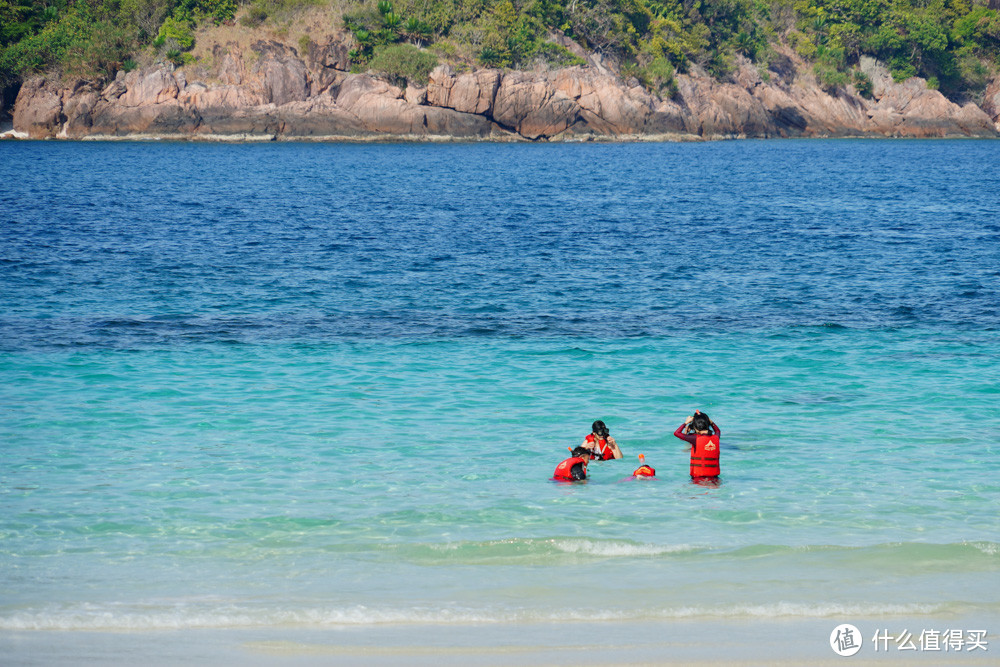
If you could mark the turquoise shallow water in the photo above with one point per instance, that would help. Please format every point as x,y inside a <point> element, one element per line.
<point>347,484</point>
<point>204,425</point>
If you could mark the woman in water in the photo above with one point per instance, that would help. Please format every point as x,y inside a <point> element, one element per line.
<point>703,435</point>
<point>601,443</point>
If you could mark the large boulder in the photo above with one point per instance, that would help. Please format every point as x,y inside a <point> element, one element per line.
<point>606,107</point>
<point>79,104</point>
<point>724,109</point>
<point>320,118</point>
<point>239,123</point>
<point>231,68</point>
<point>147,87</point>
<point>469,92</point>
<point>531,106</point>
<point>327,63</point>
<point>382,109</point>
<point>910,109</point>
<point>279,75</point>
<point>38,109</point>
<point>168,119</point>
<point>991,101</point>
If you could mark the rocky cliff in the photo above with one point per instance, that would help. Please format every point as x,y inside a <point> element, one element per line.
<point>273,92</point>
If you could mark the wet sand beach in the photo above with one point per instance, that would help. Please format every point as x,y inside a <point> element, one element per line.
<point>781,642</point>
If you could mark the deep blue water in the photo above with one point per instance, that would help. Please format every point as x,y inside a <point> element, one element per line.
<point>148,244</point>
<point>328,384</point>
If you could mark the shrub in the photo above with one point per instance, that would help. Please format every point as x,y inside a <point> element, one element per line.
<point>863,84</point>
<point>901,69</point>
<point>262,10</point>
<point>381,26</point>
<point>255,16</point>
<point>630,70</point>
<point>76,43</point>
<point>509,38</point>
<point>416,30</point>
<point>393,22</point>
<point>177,31</point>
<point>362,53</point>
<point>403,64</point>
<point>805,48</point>
<point>491,57</point>
<point>830,78</point>
<point>557,56</point>
<point>659,76</point>
<point>221,11</point>
<point>973,71</point>
<point>718,62</point>
<point>445,48</point>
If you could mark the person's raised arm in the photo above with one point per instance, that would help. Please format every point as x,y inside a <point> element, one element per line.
<point>615,449</point>
<point>689,438</point>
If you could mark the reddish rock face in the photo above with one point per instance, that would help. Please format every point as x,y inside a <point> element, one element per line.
<point>38,109</point>
<point>469,92</point>
<point>279,75</point>
<point>991,101</point>
<point>274,92</point>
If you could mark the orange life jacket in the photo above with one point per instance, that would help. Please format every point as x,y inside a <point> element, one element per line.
<point>644,471</point>
<point>705,456</point>
<point>604,451</point>
<point>565,469</point>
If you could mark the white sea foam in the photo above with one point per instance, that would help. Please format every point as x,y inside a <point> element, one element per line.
<point>88,617</point>
<point>988,548</point>
<point>584,546</point>
<point>618,548</point>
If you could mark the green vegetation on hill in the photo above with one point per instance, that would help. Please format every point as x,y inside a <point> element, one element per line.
<point>97,37</point>
<point>955,44</point>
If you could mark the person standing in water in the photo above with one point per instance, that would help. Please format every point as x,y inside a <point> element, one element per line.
<point>703,435</point>
<point>601,443</point>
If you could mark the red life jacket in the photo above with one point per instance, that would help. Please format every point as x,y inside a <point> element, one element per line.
<point>565,469</point>
<point>705,455</point>
<point>604,452</point>
<point>644,471</point>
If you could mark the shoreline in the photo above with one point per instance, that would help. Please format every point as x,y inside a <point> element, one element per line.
<point>782,642</point>
<point>14,135</point>
<point>277,96</point>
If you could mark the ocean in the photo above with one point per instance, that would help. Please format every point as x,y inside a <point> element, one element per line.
<point>323,387</point>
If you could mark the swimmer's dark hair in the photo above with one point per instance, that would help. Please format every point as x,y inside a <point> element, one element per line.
<point>580,451</point>
<point>600,428</point>
<point>701,422</point>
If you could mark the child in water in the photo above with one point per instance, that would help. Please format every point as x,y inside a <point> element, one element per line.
<point>703,435</point>
<point>644,470</point>
<point>601,443</point>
